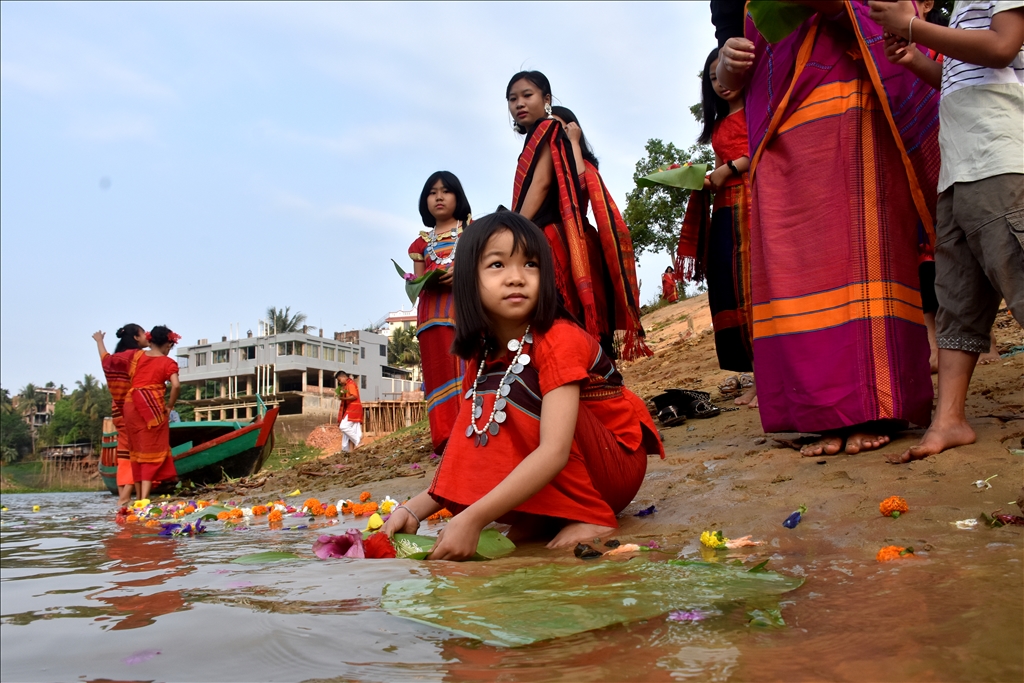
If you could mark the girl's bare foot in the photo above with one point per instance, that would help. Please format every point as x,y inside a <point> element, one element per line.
<point>857,442</point>
<point>939,437</point>
<point>579,532</point>
<point>748,397</point>
<point>826,445</point>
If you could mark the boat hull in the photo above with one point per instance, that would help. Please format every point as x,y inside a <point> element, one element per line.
<point>232,451</point>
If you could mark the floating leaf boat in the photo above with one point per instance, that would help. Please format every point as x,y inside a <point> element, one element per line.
<point>205,452</point>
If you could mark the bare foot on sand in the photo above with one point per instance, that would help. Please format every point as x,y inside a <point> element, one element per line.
<point>993,353</point>
<point>578,532</point>
<point>939,437</point>
<point>826,445</point>
<point>748,397</point>
<point>857,442</point>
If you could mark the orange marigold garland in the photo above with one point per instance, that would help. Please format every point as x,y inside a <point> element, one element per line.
<point>316,509</point>
<point>364,496</point>
<point>275,516</point>
<point>893,506</point>
<point>259,510</point>
<point>443,513</point>
<point>331,511</point>
<point>223,514</point>
<point>346,507</point>
<point>893,552</point>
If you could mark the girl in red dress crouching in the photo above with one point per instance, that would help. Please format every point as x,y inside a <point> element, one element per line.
<point>547,439</point>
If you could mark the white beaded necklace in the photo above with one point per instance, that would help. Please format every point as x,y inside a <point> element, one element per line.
<point>497,416</point>
<point>432,246</point>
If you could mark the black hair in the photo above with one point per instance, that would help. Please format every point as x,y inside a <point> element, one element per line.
<point>452,184</point>
<point>566,115</point>
<point>126,337</point>
<point>160,335</point>
<point>472,326</point>
<point>341,372</point>
<point>714,107</point>
<point>538,80</point>
<point>670,269</point>
<point>939,14</point>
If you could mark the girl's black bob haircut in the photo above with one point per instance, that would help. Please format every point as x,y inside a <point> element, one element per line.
<point>452,184</point>
<point>472,325</point>
<point>126,337</point>
<point>714,107</point>
<point>161,335</point>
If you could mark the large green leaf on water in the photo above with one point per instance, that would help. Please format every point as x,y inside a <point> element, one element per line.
<point>266,557</point>
<point>775,19</point>
<point>208,512</point>
<point>492,544</point>
<point>532,604</point>
<point>685,177</point>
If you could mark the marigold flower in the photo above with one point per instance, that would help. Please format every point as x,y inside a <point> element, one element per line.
<point>311,503</point>
<point>131,518</point>
<point>443,513</point>
<point>331,511</point>
<point>893,506</point>
<point>364,496</point>
<point>346,507</point>
<point>223,514</point>
<point>316,509</point>
<point>188,509</point>
<point>259,510</point>
<point>275,516</point>
<point>235,514</point>
<point>152,523</point>
<point>893,552</point>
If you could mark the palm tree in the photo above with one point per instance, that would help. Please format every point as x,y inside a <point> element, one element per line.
<point>6,405</point>
<point>86,398</point>
<point>28,397</point>
<point>403,348</point>
<point>282,321</point>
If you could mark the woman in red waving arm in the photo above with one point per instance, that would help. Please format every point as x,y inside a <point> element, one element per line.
<point>595,270</point>
<point>445,211</point>
<point>145,412</point>
<point>843,165</point>
<point>547,439</point>
<point>350,413</point>
<point>130,338</point>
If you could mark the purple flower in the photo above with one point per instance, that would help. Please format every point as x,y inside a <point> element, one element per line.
<point>409,276</point>
<point>169,529</point>
<point>645,512</point>
<point>794,519</point>
<point>653,545</point>
<point>348,545</point>
<point>691,615</point>
<point>140,656</point>
<point>434,456</point>
<point>415,466</point>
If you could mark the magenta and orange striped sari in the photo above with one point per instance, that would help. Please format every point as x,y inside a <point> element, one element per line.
<point>844,164</point>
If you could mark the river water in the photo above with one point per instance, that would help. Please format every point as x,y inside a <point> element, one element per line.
<point>86,600</point>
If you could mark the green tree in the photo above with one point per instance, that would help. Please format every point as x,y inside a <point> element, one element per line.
<point>654,214</point>
<point>281,320</point>
<point>15,436</point>
<point>6,404</point>
<point>188,393</point>
<point>403,348</point>
<point>78,416</point>
<point>29,399</point>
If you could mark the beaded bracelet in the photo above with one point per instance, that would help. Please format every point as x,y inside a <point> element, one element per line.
<point>409,510</point>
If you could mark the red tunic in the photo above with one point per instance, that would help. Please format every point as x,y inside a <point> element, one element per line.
<point>145,416</point>
<point>351,407</point>
<point>729,140</point>
<point>614,433</point>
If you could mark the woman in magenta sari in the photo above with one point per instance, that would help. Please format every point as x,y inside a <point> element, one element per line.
<point>844,163</point>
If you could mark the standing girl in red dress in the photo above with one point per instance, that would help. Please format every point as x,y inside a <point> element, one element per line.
<point>130,338</point>
<point>547,438</point>
<point>445,210</point>
<point>145,412</point>
<point>668,286</point>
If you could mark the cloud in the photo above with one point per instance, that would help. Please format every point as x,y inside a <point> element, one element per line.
<point>115,129</point>
<point>38,81</point>
<point>358,140</point>
<point>367,218</point>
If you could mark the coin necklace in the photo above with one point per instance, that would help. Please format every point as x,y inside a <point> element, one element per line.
<point>432,246</point>
<point>498,415</point>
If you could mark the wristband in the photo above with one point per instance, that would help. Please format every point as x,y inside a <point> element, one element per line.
<point>414,515</point>
<point>732,167</point>
<point>910,30</point>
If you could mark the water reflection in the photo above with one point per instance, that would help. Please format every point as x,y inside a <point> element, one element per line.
<point>141,552</point>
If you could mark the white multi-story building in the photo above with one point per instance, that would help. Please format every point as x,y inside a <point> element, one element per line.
<point>293,370</point>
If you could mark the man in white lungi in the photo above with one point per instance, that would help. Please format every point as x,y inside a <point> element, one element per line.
<point>350,414</point>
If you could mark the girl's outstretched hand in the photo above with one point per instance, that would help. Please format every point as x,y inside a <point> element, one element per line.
<point>98,336</point>
<point>400,522</point>
<point>457,541</point>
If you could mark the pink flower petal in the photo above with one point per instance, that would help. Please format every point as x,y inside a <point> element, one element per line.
<point>350,544</point>
<point>140,656</point>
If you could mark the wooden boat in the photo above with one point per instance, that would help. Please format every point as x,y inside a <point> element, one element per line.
<point>204,452</point>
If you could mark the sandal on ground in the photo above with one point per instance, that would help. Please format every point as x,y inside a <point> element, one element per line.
<point>668,408</point>
<point>746,381</point>
<point>732,386</point>
<point>695,404</point>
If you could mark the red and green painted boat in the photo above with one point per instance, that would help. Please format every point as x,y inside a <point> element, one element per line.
<point>205,452</point>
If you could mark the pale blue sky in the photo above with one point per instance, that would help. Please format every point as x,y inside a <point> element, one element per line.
<point>273,154</point>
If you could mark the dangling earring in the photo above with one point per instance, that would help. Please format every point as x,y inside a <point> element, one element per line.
<point>547,108</point>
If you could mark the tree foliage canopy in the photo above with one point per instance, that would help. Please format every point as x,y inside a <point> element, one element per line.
<point>403,348</point>
<point>281,320</point>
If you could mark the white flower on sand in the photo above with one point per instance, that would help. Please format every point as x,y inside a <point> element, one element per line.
<point>341,503</point>
<point>965,523</point>
<point>983,483</point>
